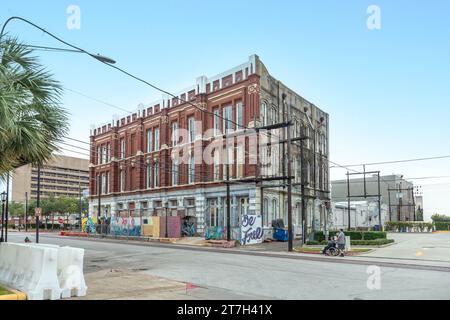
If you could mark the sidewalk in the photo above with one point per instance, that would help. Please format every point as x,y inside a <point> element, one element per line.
<point>131,285</point>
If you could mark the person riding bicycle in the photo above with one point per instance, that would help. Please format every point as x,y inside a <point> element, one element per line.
<point>331,244</point>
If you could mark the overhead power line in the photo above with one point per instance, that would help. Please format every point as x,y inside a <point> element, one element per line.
<point>394,161</point>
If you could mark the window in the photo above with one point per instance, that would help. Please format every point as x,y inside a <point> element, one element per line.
<point>274,115</point>
<point>104,183</point>
<point>104,154</point>
<point>108,182</point>
<point>156,139</point>
<point>274,209</point>
<point>174,133</point>
<point>216,165</point>
<point>156,174</point>
<point>240,161</point>
<point>239,116</point>
<point>149,140</point>
<point>191,169</point>
<point>99,158</point>
<point>191,128</point>
<point>227,119</point>
<point>122,148</point>
<point>174,172</point>
<point>228,162</point>
<point>149,176</point>
<point>122,180</point>
<point>108,153</point>
<point>264,114</point>
<point>266,211</point>
<point>243,206</point>
<point>213,213</point>
<point>216,122</point>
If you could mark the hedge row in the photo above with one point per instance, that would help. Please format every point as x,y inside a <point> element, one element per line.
<point>377,242</point>
<point>354,235</point>
<point>442,226</point>
<point>398,225</point>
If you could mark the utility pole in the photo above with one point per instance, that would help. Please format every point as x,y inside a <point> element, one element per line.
<point>289,175</point>
<point>26,211</point>
<point>389,199</point>
<point>38,203</point>
<point>414,203</point>
<point>379,202</point>
<point>348,201</point>
<point>303,181</point>
<point>80,203</point>
<point>228,202</point>
<point>399,208</point>
<point>99,195</point>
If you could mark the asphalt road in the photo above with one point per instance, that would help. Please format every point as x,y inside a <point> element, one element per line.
<point>248,276</point>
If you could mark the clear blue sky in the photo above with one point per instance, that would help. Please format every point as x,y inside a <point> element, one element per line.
<point>387,91</point>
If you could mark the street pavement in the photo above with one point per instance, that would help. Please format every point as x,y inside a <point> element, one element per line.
<point>249,276</point>
<point>416,246</point>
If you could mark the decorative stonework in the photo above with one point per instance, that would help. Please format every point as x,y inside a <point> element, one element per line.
<point>253,89</point>
<point>165,119</point>
<point>202,105</point>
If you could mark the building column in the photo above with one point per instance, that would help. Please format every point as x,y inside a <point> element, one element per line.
<point>200,211</point>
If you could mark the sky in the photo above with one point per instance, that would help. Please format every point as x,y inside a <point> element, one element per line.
<point>386,90</point>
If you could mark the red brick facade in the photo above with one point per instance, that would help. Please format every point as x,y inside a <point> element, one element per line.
<point>133,130</point>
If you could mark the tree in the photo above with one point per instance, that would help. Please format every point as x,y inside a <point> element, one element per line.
<point>16,209</point>
<point>32,121</point>
<point>440,218</point>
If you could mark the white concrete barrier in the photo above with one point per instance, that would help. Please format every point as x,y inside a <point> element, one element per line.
<point>43,272</point>
<point>70,272</point>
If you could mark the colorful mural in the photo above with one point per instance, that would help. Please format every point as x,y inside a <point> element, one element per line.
<point>125,226</point>
<point>216,233</point>
<point>88,225</point>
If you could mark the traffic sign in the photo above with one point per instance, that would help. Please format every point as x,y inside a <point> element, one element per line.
<point>60,220</point>
<point>37,212</point>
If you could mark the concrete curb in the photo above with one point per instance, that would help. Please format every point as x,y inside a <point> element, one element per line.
<point>15,295</point>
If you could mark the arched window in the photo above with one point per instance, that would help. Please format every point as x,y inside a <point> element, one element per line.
<point>264,113</point>
<point>273,115</point>
<point>266,212</point>
<point>274,209</point>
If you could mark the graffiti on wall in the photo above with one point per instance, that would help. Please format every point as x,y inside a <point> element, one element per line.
<point>216,233</point>
<point>125,226</point>
<point>251,230</point>
<point>88,225</point>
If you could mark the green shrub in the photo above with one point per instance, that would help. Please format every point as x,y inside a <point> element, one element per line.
<point>373,235</point>
<point>397,226</point>
<point>377,242</point>
<point>312,243</point>
<point>442,226</point>
<point>354,235</point>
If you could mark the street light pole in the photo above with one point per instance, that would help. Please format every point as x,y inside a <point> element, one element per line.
<point>289,177</point>
<point>167,209</point>
<point>80,203</point>
<point>26,211</point>
<point>38,203</point>
<point>6,207</point>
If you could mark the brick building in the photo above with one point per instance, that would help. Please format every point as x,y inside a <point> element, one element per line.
<point>133,162</point>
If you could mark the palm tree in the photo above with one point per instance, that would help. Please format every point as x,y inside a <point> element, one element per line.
<point>32,122</point>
